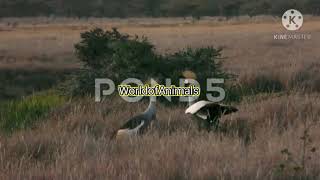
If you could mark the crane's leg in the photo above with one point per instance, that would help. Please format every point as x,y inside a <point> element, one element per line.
<point>213,122</point>
<point>209,121</point>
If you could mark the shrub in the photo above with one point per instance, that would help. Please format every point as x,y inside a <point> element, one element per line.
<point>297,163</point>
<point>204,61</point>
<point>96,47</point>
<point>109,54</point>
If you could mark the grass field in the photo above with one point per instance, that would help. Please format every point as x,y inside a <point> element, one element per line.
<point>273,136</point>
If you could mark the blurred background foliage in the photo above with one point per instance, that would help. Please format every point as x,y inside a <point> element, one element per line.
<point>153,8</point>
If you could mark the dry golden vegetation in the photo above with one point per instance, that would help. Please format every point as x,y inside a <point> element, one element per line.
<point>51,46</point>
<point>273,136</point>
<point>74,143</point>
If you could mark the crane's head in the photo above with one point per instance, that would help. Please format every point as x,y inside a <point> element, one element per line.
<point>188,75</point>
<point>151,81</point>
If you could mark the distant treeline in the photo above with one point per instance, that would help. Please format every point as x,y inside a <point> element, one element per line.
<point>153,8</point>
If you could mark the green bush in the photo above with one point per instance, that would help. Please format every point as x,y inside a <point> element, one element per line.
<point>97,47</point>
<point>109,54</point>
<point>20,114</point>
<point>204,62</point>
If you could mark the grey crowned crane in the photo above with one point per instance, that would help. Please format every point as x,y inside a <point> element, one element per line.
<point>208,113</point>
<point>138,124</point>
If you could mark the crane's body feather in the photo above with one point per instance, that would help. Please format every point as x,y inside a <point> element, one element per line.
<point>134,122</point>
<point>130,132</point>
<point>139,123</point>
<point>194,108</point>
<point>209,113</point>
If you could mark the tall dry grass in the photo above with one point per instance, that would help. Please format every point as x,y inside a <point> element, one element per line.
<point>74,143</point>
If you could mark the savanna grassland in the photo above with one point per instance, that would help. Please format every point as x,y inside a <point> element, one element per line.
<point>275,135</point>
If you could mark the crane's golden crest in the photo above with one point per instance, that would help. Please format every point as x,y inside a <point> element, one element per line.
<point>189,74</point>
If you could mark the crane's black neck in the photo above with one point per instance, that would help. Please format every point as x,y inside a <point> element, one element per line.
<point>191,101</point>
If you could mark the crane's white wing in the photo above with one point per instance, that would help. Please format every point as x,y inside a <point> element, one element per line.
<point>194,108</point>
